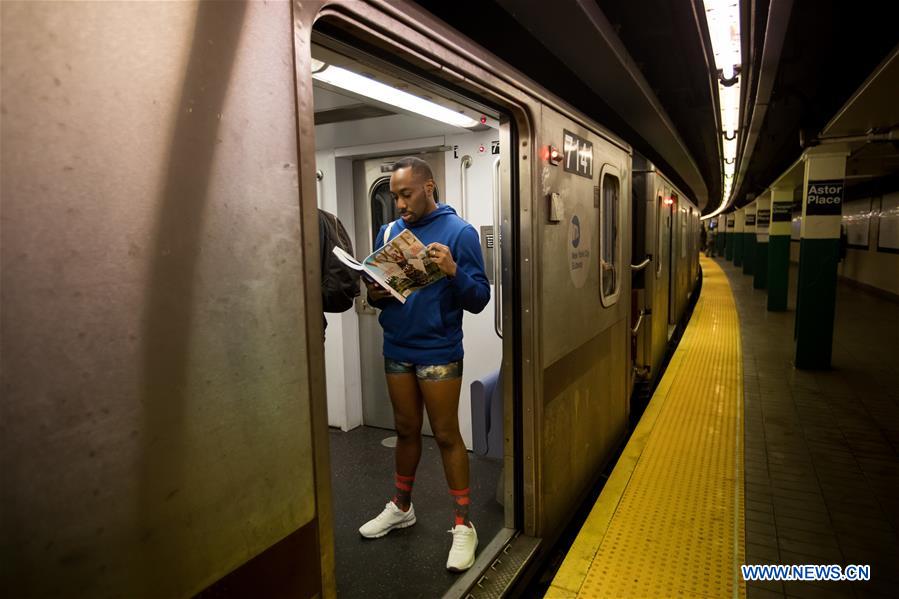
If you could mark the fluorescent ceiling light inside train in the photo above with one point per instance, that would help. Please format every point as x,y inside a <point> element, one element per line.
<point>359,84</point>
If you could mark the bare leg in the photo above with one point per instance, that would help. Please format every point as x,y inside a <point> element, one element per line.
<point>442,400</point>
<point>407,415</point>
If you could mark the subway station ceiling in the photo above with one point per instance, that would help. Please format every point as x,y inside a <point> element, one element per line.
<point>823,52</point>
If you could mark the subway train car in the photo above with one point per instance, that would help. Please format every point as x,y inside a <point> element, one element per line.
<point>173,422</point>
<point>666,234</point>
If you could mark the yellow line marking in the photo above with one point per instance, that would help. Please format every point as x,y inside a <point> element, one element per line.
<point>669,521</point>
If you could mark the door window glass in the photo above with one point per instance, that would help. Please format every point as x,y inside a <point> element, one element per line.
<point>383,208</point>
<point>609,253</point>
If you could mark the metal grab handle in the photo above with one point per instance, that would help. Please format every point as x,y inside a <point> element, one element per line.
<point>497,253</point>
<point>639,322</point>
<point>642,265</point>
<point>464,165</point>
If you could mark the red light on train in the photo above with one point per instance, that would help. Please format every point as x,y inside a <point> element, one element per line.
<point>483,120</point>
<point>555,156</point>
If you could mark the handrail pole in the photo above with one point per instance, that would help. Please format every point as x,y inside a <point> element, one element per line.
<point>642,265</point>
<point>464,165</point>
<point>497,253</point>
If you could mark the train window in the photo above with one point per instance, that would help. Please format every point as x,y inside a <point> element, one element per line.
<point>608,237</point>
<point>683,233</point>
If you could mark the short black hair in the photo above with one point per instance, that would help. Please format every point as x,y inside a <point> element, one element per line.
<point>420,168</point>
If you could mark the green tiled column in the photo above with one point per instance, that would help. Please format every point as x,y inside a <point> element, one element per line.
<point>819,254</point>
<point>779,248</point>
<point>739,226</point>
<point>730,236</point>
<point>749,239</point>
<point>762,222</point>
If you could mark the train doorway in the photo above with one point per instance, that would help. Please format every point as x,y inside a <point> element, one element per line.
<point>358,138</point>
<point>672,218</point>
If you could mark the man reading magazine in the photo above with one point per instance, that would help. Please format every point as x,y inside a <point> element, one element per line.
<point>423,349</point>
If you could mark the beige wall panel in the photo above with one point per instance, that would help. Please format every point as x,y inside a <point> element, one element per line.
<point>155,416</point>
<point>878,269</point>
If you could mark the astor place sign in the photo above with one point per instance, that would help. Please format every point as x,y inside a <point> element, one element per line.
<point>825,198</point>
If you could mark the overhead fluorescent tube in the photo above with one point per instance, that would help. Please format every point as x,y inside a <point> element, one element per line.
<point>358,84</point>
<point>723,18</point>
<point>729,99</point>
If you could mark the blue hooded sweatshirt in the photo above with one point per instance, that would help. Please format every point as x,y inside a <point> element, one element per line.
<point>427,329</point>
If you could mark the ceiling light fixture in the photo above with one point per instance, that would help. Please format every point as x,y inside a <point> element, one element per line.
<point>723,19</point>
<point>364,86</point>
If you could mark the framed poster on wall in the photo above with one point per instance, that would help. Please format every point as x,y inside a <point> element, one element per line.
<point>888,224</point>
<point>857,220</point>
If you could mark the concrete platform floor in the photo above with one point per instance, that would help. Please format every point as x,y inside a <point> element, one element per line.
<point>821,459</point>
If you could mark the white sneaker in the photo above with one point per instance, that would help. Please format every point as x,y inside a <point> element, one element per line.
<point>392,517</point>
<point>461,555</point>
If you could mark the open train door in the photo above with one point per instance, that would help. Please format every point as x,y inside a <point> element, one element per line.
<point>640,260</point>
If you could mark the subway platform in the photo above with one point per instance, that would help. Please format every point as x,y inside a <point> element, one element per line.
<point>742,459</point>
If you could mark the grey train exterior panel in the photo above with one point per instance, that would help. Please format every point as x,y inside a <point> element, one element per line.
<point>156,400</point>
<point>164,414</point>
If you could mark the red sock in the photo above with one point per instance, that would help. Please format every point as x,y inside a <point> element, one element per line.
<point>461,500</point>
<point>403,497</point>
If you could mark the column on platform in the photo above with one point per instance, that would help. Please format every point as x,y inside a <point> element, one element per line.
<point>819,254</point>
<point>730,237</point>
<point>749,239</point>
<point>739,227</point>
<point>779,248</point>
<point>762,223</point>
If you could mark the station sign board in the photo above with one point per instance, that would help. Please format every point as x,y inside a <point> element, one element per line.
<point>824,198</point>
<point>783,212</point>
<point>750,219</point>
<point>764,218</point>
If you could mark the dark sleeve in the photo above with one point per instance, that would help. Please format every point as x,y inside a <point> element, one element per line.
<point>321,257</point>
<point>322,233</point>
<point>379,241</point>
<point>470,281</point>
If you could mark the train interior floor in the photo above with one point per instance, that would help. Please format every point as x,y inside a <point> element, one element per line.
<point>821,448</point>
<point>817,474</point>
<point>409,562</point>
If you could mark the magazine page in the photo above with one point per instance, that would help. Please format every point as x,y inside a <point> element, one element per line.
<point>348,260</point>
<point>404,265</point>
<point>372,273</point>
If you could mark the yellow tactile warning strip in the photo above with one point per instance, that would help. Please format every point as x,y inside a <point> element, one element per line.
<point>669,521</point>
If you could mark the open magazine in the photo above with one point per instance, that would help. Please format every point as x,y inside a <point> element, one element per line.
<point>402,266</point>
